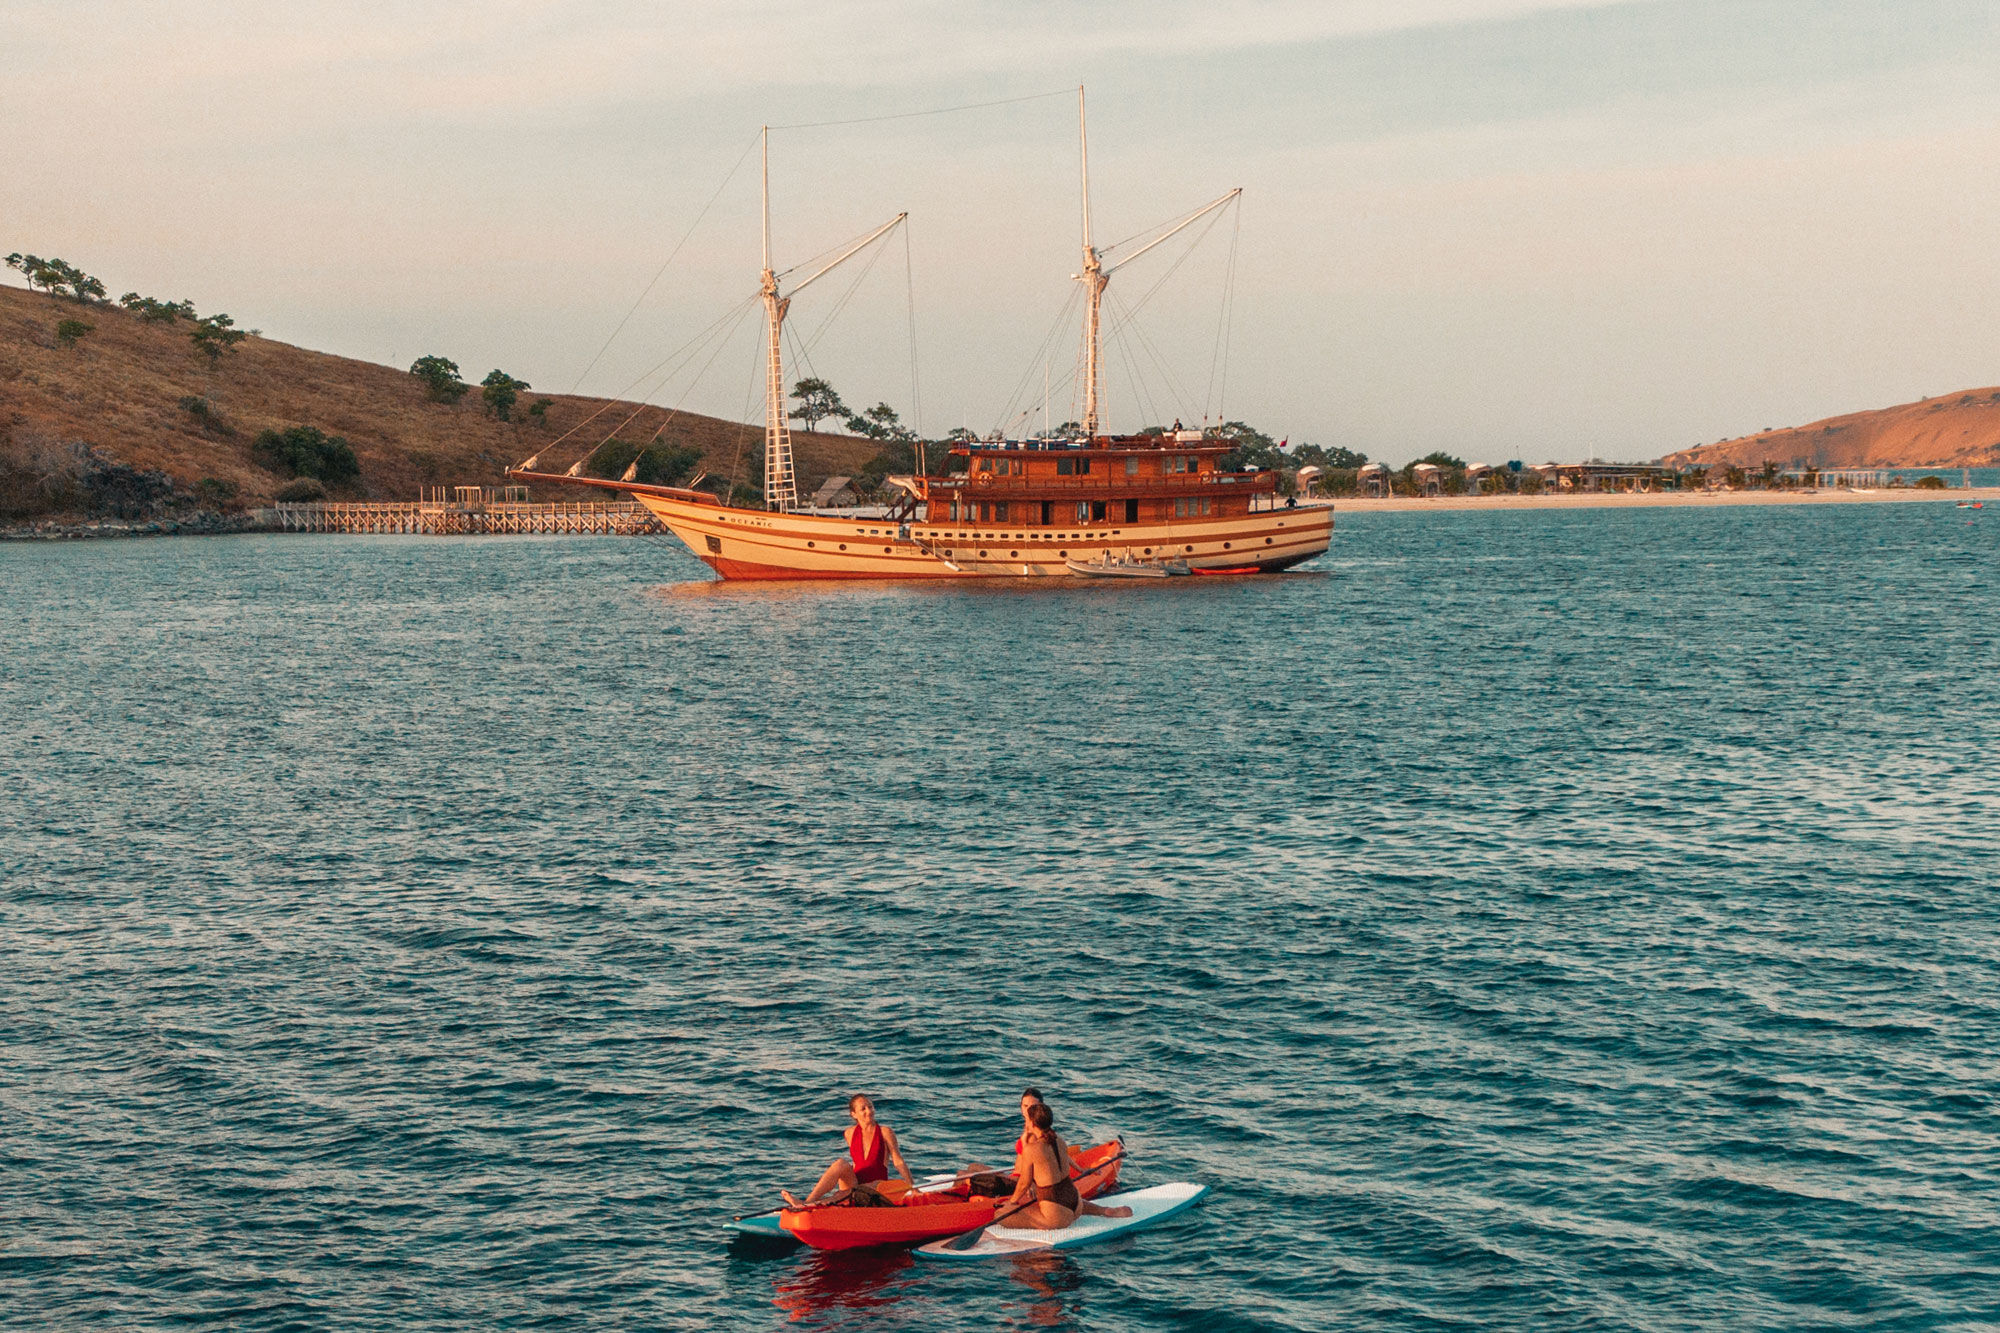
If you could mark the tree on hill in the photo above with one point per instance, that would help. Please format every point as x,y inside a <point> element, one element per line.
<point>157,312</point>
<point>57,278</point>
<point>306,451</point>
<point>70,330</point>
<point>539,409</point>
<point>816,402</point>
<point>441,378</point>
<point>881,422</point>
<point>215,334</point>
<point>1443,460</point>
<point>501,391</point>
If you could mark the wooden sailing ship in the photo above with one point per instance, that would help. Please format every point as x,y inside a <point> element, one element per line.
<point>1021,508</point>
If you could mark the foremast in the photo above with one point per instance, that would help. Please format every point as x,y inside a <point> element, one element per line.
<point>781,490</point>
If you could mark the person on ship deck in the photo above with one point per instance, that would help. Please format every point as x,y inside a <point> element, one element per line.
<point>871,1145</point>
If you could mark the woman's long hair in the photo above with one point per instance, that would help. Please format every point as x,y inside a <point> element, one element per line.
<point>1043,1120</point>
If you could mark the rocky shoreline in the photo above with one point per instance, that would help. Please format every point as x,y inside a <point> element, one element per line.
<point>198,523</point>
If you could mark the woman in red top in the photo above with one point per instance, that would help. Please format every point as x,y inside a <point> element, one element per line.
<point>870,1147</point>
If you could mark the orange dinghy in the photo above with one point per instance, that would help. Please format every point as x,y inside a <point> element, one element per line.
<point>917,1215</point>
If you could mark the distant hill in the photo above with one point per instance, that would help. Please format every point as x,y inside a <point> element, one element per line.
<point>120,388</point>
<point>1958,430</point>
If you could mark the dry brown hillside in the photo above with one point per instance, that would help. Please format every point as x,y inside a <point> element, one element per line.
<point>1958,430</point>
<point>120,389</point>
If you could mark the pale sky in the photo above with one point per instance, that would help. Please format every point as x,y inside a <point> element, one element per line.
<point>1503,228</point>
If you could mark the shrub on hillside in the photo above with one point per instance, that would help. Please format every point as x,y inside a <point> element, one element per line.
<point>539,410</point>
<point>205,415</point>
<point>57,278</point>
<point>501,391</point>
<point>157,312</point>
<point>215,334</point>
<point>306,451</point>
<point>215,491</point>
<point>303,491</point>
<point>1930,483</point>
<point>658,464</point>
<point>70,330</point>
<point>440,377</point>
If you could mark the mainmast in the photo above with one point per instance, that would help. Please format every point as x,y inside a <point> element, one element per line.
<point>1096,276</point>
<point>1093,279</point>
<point>780,487</point>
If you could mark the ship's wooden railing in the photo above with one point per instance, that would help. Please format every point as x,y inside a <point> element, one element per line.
<point>429,518</point>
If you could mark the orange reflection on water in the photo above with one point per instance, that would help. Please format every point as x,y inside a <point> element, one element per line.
<point>826,1280</point>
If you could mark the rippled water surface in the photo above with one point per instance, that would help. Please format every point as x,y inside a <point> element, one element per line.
<point>1524,919</point>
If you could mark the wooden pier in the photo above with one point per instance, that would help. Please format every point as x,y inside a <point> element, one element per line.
<point>473,511</point>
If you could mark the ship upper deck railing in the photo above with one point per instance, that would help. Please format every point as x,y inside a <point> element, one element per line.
<point>1110,483</point>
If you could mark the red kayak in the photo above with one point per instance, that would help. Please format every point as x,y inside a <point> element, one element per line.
<point>925,1215</point>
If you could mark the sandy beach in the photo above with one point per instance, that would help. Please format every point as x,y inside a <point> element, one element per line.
<point>1659,499</point>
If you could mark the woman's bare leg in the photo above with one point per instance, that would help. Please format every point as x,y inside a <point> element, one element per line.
<point>838,1178</point>
<point>1090,1209</point>
<point>1040,1216</point>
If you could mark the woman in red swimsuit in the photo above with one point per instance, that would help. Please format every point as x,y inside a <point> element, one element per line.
<point>870,1147</point>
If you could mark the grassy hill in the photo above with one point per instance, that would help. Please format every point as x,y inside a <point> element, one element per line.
<point>1958,430</point>
<point>120,390</point>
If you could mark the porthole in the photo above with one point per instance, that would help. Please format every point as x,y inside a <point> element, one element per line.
<point>1267,541</point>
<point>1149,550</point>
<point>982,555</point>
<point>1064,554</point>
<point>810,545</point>
<point>1013,555</point>
<point>1190,550</point>
<point>843,546</point>
<point>1225,546</point>
<point>888,550</point>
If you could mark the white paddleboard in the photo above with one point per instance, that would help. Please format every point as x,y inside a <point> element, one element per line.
<point>1152,1205</point>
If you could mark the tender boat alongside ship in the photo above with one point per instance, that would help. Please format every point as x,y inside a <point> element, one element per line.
<point>1099,505</point>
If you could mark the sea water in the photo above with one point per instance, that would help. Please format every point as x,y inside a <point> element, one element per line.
<point>1518,919</point>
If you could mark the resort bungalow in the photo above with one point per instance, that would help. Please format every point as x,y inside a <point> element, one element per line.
<point>1372,479</point>
<point>1429,478</point>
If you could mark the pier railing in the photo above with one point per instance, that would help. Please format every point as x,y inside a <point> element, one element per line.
<point>582,518</point>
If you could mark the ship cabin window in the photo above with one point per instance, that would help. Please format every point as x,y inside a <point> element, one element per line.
<point>1180,463</point>
<point>982,465</point>
<point>1192,508</point>
<point>1000,511</point>
<point>1048,512</point>
<point>1131,511</point>
<point>1065,467</point>
<point>1131,465</point>
<point>1097,511</point>
<point>1083,511</point>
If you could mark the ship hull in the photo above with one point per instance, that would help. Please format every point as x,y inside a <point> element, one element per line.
<point>749,544</point>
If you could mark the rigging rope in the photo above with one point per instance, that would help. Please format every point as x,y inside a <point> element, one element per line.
<point>678,246</point>
<point>910,294</point>
<point>609,403</point>
<point>1225,321</point>
<point>936,111</point>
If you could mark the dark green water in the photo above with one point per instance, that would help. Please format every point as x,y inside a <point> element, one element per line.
<point>1585,920</point>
